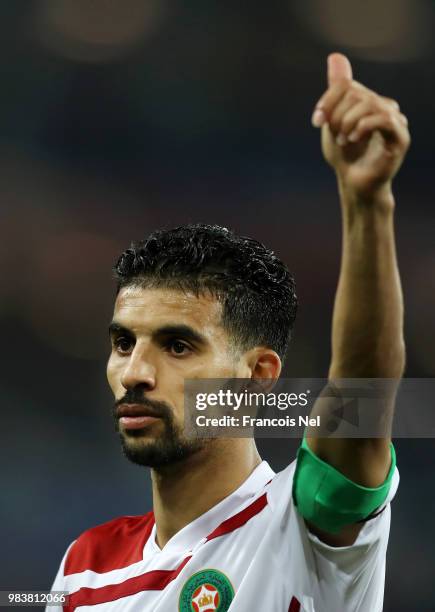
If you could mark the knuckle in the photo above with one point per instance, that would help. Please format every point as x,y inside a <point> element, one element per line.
<point>390,119</point>
<point>353,95</point>
<point>363,122</point>
<point>371,103</point>
<point>364,93</point>
<point>406,136</point>
<point>378,104</point>
<point>393,103</point>
<point>325,102</point>
<point>347,124</point>
<point>359,86</point>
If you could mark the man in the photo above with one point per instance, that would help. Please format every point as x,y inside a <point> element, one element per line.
<point>226,533</point>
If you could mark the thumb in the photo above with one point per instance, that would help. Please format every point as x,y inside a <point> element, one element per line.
<point>339,68</point>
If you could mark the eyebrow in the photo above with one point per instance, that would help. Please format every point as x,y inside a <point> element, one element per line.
<point>116,328</point>
<point>179,330</point>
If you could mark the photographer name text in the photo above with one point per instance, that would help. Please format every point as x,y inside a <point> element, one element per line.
<point>248,421</point>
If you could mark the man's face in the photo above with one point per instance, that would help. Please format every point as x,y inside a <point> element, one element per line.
<point>159,337</point>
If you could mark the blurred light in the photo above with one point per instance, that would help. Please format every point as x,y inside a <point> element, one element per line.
<point>97,30</point>
<point>391,30</point>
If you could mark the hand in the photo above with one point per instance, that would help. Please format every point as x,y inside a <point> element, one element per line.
<point>364,135</point>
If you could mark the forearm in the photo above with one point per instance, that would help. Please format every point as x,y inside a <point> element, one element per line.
<point>367,330</point>
<point>367,327</point>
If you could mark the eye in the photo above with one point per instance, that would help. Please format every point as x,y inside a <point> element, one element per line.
<point>122,344</point>
<point>179,348</point>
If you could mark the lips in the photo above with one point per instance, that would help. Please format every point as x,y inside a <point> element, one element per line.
<point>134,410</point>
<point>135,416</point>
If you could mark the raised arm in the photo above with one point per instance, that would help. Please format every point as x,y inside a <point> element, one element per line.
<point>364,139</point>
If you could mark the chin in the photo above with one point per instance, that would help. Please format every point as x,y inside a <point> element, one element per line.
<point>154,453</point>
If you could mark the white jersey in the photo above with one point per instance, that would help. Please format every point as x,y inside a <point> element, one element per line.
<point>250,553</point>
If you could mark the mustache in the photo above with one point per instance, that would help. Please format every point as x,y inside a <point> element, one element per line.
<point>134,396</point>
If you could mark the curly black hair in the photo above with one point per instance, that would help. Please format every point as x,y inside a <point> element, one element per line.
<point>256,289</point>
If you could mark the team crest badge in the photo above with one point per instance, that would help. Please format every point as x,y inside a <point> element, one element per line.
<point>206,591</point>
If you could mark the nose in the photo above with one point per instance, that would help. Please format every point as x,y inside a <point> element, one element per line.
<point>139,371</point>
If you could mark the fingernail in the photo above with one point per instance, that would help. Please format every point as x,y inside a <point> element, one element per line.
<point>353,136</point>
<point>341,140</point>
<point>318,118</point>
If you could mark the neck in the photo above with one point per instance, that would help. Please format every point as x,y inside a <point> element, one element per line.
<point>184,491</point>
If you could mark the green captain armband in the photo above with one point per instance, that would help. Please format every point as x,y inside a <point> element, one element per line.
<point>325,497</point>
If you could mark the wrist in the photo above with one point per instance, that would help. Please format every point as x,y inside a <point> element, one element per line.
<point>377,200</point>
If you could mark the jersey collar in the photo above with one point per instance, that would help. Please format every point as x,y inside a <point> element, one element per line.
<point>192,534</point>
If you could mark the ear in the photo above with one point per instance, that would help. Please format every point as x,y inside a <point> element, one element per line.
<point>264,363</point>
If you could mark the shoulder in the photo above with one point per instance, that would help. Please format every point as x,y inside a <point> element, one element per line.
<point>110,546</point>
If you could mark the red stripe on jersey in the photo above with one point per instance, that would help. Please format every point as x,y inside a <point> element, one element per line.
<point>113,545</point>
<point>156,580</point>
<point>239,519</point>
<point>294,606</point>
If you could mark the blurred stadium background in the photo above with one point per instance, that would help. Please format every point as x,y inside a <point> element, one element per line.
<point>120,117</point>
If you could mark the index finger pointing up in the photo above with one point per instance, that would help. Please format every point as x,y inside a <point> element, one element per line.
<point>339,68</point>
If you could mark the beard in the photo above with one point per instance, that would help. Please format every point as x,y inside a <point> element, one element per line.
<point>166,448</point>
